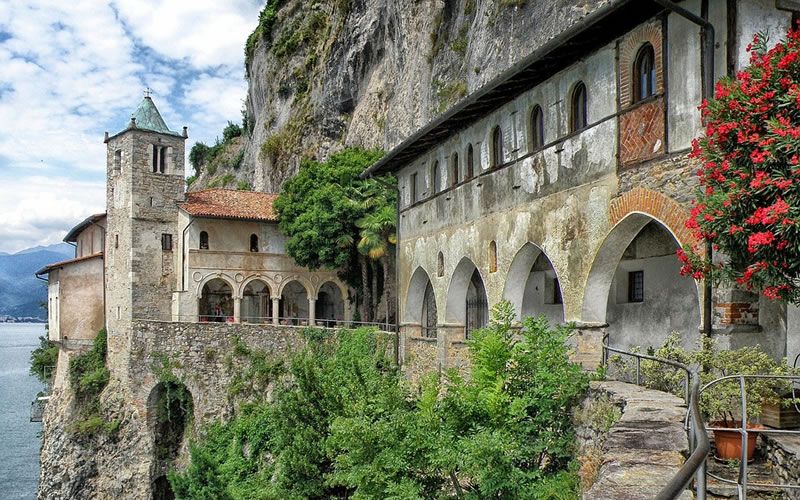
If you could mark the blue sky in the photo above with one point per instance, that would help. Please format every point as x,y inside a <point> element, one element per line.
<point>70,71</point>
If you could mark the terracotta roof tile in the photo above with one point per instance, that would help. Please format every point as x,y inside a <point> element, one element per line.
<point>230,204</point>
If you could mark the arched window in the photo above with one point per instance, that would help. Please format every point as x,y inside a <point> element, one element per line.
<point>437,178</point>
<point>440,265</point>
<point>497,147</point>
<point>253,243</point>
<point>454,169</point>
<point>470,162</point>
<point>203,240</point>
<point>537,128</point>
<point>492,257</point>
<point>644,73</point>
<point>578,108</point>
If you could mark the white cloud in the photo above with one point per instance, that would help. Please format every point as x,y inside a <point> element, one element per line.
<point>71,70</point>
<point>41,209</point>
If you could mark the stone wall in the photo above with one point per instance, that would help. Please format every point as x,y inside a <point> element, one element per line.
<point>783,453</point>
<point>205,357</point>
<point>632,441</point>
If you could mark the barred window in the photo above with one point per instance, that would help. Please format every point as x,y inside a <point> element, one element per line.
<point>636,286</point>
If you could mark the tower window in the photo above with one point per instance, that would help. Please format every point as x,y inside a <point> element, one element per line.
<point>166,242</point>
<point>253,243</point>
<point>155,159</point>
<point>644,73</point>
<point>116,241</point>
<point>203,240</point>
<point>537,128</point>
<point>437,183</point>
<point>118,159</point>
<point>578,109</point>
<point>470,162</point>
<point>162,160</point>
<point>636,286</point>
<point>497,147</point>
<point>454,169</point>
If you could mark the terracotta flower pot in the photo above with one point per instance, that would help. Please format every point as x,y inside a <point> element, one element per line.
<point>729,443</point>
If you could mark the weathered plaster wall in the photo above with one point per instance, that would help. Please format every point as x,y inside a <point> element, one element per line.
<point>78,300</point>
<point>90,240</point>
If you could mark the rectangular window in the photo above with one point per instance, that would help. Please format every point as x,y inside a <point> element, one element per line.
<point>155,158</point>
<point>118,159</point>
<point>116,241</point>
<point>166,242</point>
<point>413,187</point>
<point>636,286</point>
<point>162,160</point>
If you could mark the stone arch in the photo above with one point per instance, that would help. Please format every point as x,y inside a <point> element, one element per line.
<point>676,300</point>
<point>459,289</point>
<point>415,296</point>
<point>215,301</point>
<point>224,277</point>
<point>656,205</point>
<point>300,279</point>
<point>294,305</point>
<point>170,411</point>
<point>532,285</point>
<point>330,307</point>
<point>256,294</point>
<point>257,277</point>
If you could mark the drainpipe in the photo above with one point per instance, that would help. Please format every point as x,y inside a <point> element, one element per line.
<point>707,40</point>
<point>184,251</point>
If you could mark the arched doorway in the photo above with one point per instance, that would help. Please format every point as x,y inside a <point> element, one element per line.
<point>330,305</point>
<point>532,286</point>
<point>256,302</point>
<point>421,304</point>
<point>216,301</point>
<point>294,304</point>
<point>636,288</point>
<point>467,302</point>
<point>170,411</point>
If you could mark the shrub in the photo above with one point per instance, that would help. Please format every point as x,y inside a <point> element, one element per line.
<point>231,131</point>
<point>748,200</point>
<point>244,186</point>
<point>88,376</point>
<point>43,360</point>
<point>345,424</point>
<point>198,155</point>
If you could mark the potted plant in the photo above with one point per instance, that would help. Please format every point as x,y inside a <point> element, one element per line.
<point>721,402</point>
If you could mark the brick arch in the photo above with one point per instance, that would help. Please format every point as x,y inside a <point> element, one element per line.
<point>659,206</point>
<point>629,47</point>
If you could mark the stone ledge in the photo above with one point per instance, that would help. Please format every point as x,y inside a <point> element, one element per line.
<point>643,449</point>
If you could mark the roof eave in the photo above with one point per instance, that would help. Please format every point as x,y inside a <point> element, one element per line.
<point>400,155</point>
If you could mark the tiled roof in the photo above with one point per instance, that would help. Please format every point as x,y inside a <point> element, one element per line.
<point>49,267</point>
<point>148,118</point>
<point>230,204</point>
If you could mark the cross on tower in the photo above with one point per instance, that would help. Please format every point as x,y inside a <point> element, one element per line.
<point>148,91</point>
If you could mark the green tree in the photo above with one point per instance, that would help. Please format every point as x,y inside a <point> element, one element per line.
<point>43,360</point>
<point>319,209</point>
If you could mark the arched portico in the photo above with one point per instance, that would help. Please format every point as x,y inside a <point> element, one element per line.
<point>467,302</point>
<point>256,301</point>
<point>330,304</point>
<point>215,301</point>
<point>634,285</point>
<point>294,304</point>
<point>532,285</point>
<point>420,307</point>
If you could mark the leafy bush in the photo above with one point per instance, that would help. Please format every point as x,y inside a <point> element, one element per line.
<point>244,186</point>
<point>43,360</point>
<point>748,200</point>
<point>88,376</point>
<point>231,131</point>
<point>266,21</point>
<point>346,424</point>
<point>198,155</point>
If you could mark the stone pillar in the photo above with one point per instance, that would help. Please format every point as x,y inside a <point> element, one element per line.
<point>276,310</point>
<point>735,310</point>
<point>237,309</point>
<point>587,343</point>
<point>312,311</point>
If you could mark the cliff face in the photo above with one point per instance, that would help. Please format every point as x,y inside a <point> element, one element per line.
<point>371,72</point>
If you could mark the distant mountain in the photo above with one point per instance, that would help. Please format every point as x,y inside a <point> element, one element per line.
<point>21,294</point>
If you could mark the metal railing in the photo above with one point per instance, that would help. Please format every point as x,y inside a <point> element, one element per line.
<point>741,482</point>
<point>695,466</point>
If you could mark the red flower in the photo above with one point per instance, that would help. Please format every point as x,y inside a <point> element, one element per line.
<point>760,239</point>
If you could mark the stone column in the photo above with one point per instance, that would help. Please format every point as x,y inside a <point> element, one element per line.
<point>237,309</point>
<point>276,310</point>
<point>312,311</point>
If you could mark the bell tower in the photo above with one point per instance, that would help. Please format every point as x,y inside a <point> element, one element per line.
<point>145,181</point>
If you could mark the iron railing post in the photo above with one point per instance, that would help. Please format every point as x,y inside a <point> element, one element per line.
<point>743,456</point>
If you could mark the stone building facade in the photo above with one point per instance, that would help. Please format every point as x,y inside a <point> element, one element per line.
<point>563,187</point>
<point>172,276</point>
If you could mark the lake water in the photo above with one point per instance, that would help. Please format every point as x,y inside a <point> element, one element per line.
<point>19,437</point>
